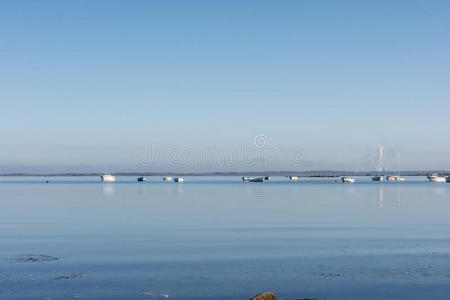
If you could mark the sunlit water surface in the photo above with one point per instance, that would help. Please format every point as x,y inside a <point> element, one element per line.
<point>221,238</point>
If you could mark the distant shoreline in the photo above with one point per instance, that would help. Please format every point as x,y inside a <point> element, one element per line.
<point>250,173</point>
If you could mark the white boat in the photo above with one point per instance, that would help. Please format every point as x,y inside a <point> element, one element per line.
<point>258,179</point>
<point>436,178</point>
<point>395,178</point>
<point>178,179</point>
<point>377,178</point>
<point>245,178</point>
<point>348,179</point>
<point>107,178</point>
<point>167,178</point>
<point>293,177</point>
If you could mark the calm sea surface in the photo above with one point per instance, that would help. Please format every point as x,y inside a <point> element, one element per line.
<point>221,238</point>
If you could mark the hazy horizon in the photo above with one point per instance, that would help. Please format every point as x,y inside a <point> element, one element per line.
<point>92,86</point>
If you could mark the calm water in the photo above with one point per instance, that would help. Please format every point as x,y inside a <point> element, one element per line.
<point>220,238</point>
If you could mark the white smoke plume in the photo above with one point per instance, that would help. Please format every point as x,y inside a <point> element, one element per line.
<point>381,160</point>
<point>380,150</point>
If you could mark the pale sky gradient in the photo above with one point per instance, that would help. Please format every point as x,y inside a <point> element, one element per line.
<point>88,85</point>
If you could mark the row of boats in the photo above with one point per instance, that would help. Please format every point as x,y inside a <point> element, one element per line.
<point>111,178</point>
<point>345,179</point>
<point>388,178</point>
<point>375,178</point>
<point>264,178</point>
<point>431,178</point>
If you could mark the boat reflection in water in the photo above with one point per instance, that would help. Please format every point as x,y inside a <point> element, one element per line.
<point>380,197</point>
<point>108,189</point>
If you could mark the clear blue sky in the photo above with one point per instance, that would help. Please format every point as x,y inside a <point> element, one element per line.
<point>88,85</point>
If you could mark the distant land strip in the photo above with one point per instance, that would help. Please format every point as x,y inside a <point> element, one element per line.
<point>324,173</point>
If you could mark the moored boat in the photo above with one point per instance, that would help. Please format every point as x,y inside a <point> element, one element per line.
<point>178,179</point>
<point>436,178</point>
<point>377,178</point>
<point>348,179</point>
<point>395,178</point>
<point>107,178</point>
<point>167,178</point>
<point>142,178</point>
<point>293,177</point>
<point>258,179</point>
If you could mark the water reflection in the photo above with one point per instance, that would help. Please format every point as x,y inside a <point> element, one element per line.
<point>348,189</point>
<point>108,189</point>
<point>380,197</point>
<point>398,197</point>
<point>140,190</point>
<point>439,190</point>
<point>180,188</point>
<point>388,195</point>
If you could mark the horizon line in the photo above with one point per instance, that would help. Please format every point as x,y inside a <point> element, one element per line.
<point>233,173</point>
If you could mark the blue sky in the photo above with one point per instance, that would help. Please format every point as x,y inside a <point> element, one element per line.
<point>89,85</point>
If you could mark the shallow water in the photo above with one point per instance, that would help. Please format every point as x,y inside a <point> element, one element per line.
<point>220,238</point>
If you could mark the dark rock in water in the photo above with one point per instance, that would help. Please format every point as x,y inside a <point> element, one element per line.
<point>75,275</point>
<point>34,258</point>
<point>265,296</point>
<point>66,277</point>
